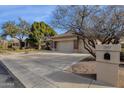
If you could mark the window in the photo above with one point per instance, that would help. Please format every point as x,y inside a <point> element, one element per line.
<point>122,45</point>
<point>75,44</point>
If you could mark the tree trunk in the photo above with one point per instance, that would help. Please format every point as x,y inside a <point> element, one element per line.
<point>20,46</point>
<point>39,46</point>
<point>88,48</point>
<point>88,43</point>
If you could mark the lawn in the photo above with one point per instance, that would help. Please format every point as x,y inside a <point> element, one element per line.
<point>9,51</point>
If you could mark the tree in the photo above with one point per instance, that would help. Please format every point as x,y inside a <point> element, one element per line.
<point>19,31</point>
<point>9,28</point>
<point>91,23</point>
<point>37,35</point>
<point>40,33</point>
<point>23,31</point>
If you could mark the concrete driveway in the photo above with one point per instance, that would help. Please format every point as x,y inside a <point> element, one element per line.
<point>46,69</point>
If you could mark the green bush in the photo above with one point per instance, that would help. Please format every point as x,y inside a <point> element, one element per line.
<point>1,46</point>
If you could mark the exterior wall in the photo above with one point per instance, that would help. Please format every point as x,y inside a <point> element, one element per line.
<point>81,47</point>
<point>113,50</point>
<point>108,73</point>
<point>65,39</point>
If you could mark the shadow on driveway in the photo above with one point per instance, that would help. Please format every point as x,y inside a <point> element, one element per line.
<point>60,76</point>
<point>65,77</point>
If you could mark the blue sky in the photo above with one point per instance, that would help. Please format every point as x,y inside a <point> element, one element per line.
<point>29,13</point>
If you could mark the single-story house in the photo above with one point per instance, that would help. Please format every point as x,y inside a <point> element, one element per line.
<point>15,43</point>
<point>68,42</point>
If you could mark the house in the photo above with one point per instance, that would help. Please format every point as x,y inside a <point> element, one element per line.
<point>15,43</point>
<point>68,42</point>
<point>3,44</point>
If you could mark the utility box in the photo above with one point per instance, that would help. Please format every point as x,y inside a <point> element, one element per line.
<point>108,60</point>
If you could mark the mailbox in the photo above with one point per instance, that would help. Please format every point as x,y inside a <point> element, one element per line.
<point>107,56</point>
<point>107,63</point>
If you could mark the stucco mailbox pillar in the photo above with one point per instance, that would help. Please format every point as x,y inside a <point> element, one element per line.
<point>108,60</point>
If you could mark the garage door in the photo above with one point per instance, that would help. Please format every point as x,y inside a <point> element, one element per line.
<point>65,46</point>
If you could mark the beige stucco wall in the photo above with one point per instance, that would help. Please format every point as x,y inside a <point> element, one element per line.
<point>108,70</point>
<point>112,49</point>
<point>65,39</point>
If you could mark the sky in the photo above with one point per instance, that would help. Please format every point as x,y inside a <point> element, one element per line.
<point>27,12</point>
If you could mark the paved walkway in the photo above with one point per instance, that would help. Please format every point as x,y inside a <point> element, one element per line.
<point>45,69</point>
<point>5,79</point>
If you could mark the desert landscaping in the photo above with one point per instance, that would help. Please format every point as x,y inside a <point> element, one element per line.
<point>79,46</point>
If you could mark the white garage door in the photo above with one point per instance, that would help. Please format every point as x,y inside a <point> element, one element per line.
<point>65,46</point>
